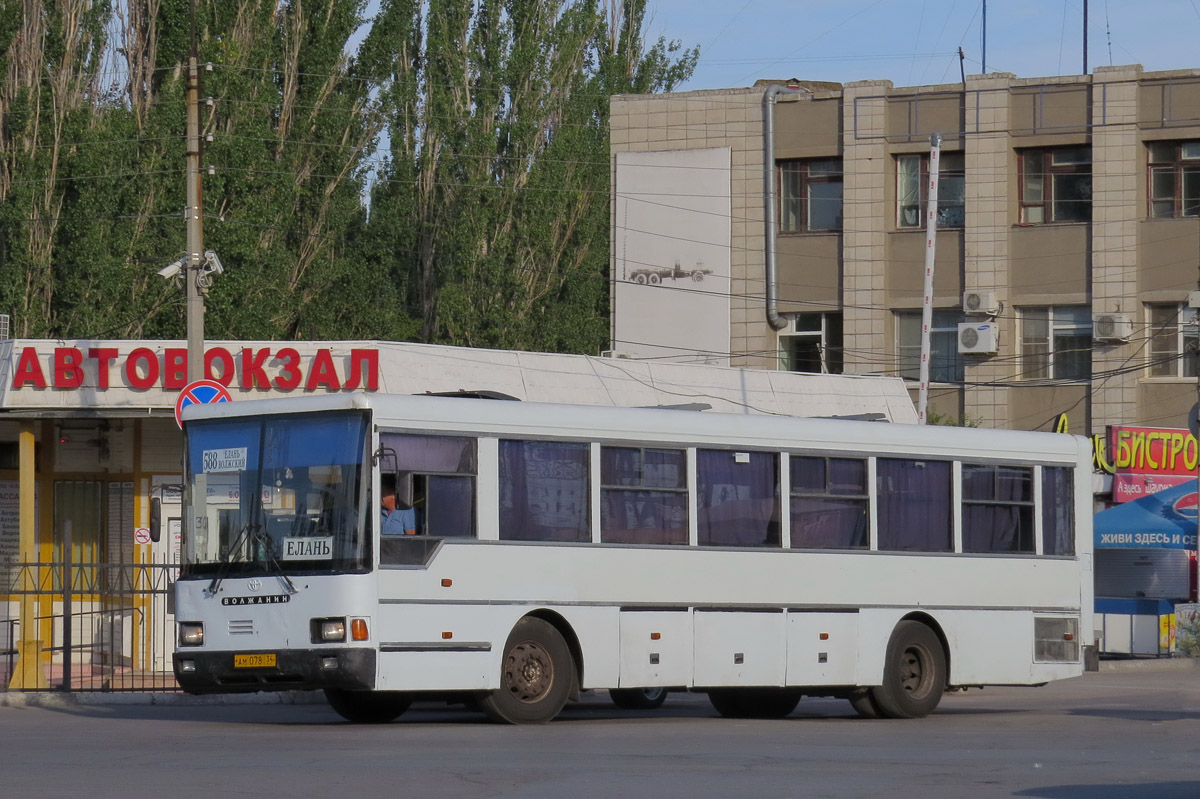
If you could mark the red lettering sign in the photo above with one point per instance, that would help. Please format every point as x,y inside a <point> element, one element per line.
<point>71,369</point>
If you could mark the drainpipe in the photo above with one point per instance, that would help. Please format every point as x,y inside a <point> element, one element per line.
<point>776,321</point>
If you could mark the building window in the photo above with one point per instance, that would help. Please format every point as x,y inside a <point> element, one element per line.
<point>1056,343</point>
<point>945,364</point>
<point>1174,179</point>
<point>1056,185</point>
<point>1174,341</point>
<point>810,195</point>
<point>812,343</point>
<point>912,178</point>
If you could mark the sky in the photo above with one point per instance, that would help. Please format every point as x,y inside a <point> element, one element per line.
<point>915,42</point>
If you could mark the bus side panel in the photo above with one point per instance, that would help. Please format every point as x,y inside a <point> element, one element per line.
<point>993,647</point>
<point>822,648</point>
<point>441,647</point>
<point>739,648</point>
<point>656,648</point>
<point>436,647</point>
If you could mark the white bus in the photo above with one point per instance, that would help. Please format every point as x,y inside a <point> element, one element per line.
<point>560,548</point>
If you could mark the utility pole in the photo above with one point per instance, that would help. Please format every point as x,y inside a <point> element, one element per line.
<point>935,157</point>
<point>195,228</point>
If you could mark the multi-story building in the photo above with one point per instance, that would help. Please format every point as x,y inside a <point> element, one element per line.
<point>785,228</point>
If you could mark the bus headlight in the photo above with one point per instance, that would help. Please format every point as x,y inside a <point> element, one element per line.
<point>191,633</point>
<point>325,631</point>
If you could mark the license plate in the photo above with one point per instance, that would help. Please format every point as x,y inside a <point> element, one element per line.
<point>260,661</point>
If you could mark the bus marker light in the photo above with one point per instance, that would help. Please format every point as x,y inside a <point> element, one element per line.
<point>358,629</point>
<point>824,636</point>
<point>655,636</point>
<point>446,636</point>
<point>447,582</point>
<point>1068,636</point>
<point>329,663</point>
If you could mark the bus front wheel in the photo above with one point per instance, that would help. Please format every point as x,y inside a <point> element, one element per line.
<point>914,673</point>
<point>863,704</point>
<point>754,703</point>
<point>536,675</point>
<point>638,698</point>
<point>367,707</point>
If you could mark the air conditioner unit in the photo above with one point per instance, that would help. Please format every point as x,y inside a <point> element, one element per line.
<point>1112,326</point>
<point>981,302</point>
<point>977,338</point>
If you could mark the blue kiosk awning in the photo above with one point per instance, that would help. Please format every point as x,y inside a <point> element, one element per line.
<point>1166,520</point>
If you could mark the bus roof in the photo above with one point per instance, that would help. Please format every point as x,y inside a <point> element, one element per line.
<point>538,420</point>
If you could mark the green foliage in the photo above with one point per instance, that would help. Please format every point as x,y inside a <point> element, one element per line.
<point>487,223</point>
<point>1187,634</point>
<point>950,420</point>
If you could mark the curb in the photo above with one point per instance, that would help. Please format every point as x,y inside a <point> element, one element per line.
<point>1149,664</point>
<point>85,698</point>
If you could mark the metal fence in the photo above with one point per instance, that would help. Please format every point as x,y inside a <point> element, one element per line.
<point>91,626</point>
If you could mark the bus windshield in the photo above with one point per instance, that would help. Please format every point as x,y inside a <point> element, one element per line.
<point>276,495</point>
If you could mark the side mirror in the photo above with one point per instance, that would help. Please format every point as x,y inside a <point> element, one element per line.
<point>155,519</point>
<point>404,489</point>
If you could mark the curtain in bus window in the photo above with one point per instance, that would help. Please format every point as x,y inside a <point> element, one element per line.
<point>425,454</point>
<point>737,498</point>
<point>914,505</point>
<point>643,496</point>
<point>543,491</point>
<point>829,503</point>
<point>1058,509</point>
<point>997,513</point>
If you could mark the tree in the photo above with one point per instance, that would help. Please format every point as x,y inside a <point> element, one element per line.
<point>491,211</point>
<point>488,222</point>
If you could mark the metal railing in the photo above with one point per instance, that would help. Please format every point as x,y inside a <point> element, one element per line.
<point>92,626</point>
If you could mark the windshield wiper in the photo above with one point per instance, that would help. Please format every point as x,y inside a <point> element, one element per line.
<point>254,535</point>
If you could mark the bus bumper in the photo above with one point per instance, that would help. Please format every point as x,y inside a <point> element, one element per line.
<point>200,672</point>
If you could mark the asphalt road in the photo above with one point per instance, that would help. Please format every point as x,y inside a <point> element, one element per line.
<point>1101,736</point>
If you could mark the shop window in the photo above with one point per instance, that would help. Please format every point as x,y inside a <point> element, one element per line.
<point>912,181</point>
<point>1056,185</point>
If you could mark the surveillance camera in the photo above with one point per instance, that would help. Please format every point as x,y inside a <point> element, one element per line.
<point>214,263</point>
<point>171,270</point>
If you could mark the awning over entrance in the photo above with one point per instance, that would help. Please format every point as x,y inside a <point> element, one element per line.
<point>1166,520</point>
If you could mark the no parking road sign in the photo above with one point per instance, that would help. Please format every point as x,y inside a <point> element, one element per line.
<point>200,392</point>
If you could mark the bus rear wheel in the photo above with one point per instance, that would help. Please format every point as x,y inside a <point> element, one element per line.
<point>536,675</point>
<point>914,675</point>
<point>754,703</point>
<point>368,707</point>
<point>638,698</point>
